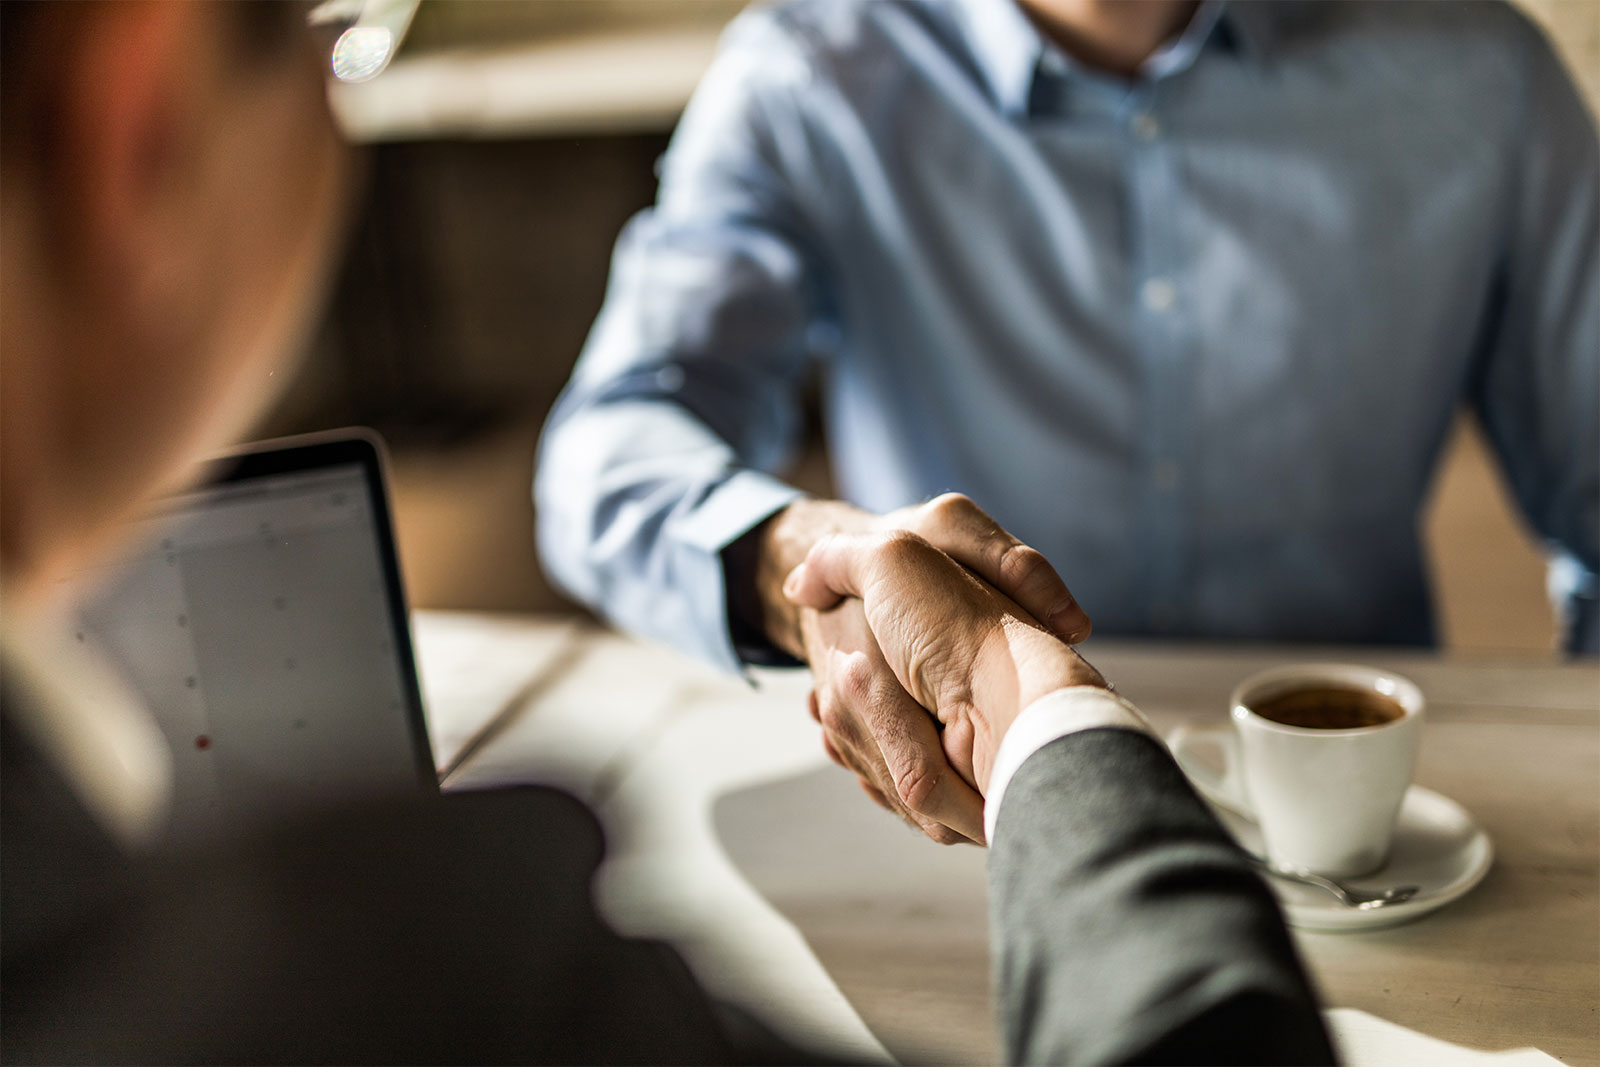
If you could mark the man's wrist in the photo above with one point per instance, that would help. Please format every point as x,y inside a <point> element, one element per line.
<point>1046,720</point>
<point>741,564</point>
<point>1018,665</point>
<point>761,561</point>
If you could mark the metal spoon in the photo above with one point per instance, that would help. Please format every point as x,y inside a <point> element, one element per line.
<point>1349,896</point>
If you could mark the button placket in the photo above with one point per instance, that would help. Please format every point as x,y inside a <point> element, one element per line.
<point>1157,252</point>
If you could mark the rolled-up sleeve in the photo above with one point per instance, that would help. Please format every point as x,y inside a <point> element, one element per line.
<point>1537,387</point>
<point>661,451</point>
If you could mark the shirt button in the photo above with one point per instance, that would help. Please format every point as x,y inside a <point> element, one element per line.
<point>669,379</point>
<point>1158,294</point>
<point>1166,475</point>
<point>1146,126</point>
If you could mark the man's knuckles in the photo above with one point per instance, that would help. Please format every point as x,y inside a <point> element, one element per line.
<point>833,752</point>
<point>917,781</point>
<point>856,681</point>
<point>949,513</point>
<point>836,720</point>
<point>899,546</point>
<point>1024,570</point>
<point>904,562</point>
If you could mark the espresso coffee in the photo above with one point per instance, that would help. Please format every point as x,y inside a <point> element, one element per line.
<point>1328,708</point>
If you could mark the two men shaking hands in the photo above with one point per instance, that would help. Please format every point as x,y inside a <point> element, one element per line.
<point>928,630</point>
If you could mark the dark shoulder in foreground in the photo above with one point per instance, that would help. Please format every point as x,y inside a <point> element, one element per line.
<point>454,930</point>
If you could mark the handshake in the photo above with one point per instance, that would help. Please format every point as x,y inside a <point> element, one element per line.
<point>928,630</point>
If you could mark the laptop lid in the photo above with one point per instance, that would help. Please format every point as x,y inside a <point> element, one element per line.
<point>264,622</point>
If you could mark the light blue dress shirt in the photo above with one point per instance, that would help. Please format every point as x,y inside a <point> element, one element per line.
<point>1197,337</point>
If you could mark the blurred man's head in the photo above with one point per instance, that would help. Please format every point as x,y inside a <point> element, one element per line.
<point>170,179</point>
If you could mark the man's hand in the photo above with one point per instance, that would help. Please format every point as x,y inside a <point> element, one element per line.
<point>872,727</point>
<point>955,644</point>
<point>869,724</point>
<point>951,523</point>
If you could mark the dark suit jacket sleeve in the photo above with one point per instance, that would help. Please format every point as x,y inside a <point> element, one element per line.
<point>1128,928</point>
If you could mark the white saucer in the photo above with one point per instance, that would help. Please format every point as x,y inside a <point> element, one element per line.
<point>1437,847</point>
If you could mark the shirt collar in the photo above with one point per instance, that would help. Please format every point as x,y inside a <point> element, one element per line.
<point>1179,54</point>
<point>1252,28</point>
<point>1008,48</point>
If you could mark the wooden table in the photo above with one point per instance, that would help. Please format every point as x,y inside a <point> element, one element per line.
<point>888,930</point>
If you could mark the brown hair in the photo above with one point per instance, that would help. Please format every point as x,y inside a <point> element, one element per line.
<point>32,33</point>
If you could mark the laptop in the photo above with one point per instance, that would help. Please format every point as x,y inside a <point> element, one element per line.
<point>263,621</point>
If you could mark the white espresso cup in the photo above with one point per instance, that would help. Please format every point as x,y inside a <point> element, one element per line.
<point>1324,781</point>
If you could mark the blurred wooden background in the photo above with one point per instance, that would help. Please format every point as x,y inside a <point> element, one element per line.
<point>510,143</point>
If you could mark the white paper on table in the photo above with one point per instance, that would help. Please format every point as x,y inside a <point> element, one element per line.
<point>669,877</point>
<point>472,669</point>
<point>1362,1040</point>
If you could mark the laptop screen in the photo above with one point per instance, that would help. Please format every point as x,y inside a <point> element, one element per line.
<point>264,625</point>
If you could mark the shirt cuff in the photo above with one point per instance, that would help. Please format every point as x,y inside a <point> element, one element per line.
<point>742,502</point>
<point>1051,717</point>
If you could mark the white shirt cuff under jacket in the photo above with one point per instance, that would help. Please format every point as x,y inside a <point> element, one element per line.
<point>1053,716</point>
